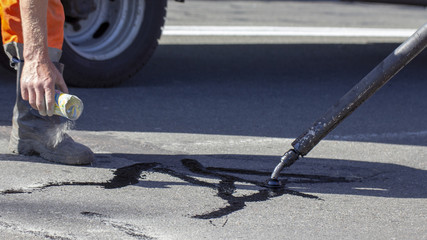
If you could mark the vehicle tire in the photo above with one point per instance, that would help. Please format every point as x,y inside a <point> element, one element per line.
<point>4,61</point>
<point>113,43</point>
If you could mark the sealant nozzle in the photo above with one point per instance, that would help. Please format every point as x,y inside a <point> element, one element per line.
<point>287,160</point>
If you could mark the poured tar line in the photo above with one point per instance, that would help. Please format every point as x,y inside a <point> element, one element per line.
<point>133,174</point>
<point>286,31</point>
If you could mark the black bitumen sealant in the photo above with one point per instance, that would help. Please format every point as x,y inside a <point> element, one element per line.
<point>226,187</point>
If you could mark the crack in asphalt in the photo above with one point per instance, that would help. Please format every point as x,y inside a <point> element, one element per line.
<point>226,187</point>
<point>126,228</point>
<point>34,233</point>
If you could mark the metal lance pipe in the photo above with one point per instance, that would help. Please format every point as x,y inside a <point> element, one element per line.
<point>371,83</point>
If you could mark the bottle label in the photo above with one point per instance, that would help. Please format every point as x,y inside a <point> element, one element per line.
<point>68,106</point>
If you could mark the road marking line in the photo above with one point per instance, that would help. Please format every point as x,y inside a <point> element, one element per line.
<point>379,136</point>
<point>286,31</point>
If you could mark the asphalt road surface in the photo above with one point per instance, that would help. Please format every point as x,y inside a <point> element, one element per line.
<point>184,148</point>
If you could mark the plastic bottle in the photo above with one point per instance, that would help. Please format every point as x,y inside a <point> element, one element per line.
<point>67,105</point>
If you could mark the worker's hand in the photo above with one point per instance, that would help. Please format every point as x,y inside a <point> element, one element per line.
<point>38,81</point>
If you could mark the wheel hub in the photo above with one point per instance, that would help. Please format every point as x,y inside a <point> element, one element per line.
<point>101,30</point>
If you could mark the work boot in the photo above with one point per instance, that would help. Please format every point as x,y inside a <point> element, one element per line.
<point>42,135</point>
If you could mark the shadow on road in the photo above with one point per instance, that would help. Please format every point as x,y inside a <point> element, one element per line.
<point>273,90</point>
<point>306,179</point>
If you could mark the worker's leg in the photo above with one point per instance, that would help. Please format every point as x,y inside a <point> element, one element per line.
<point>31,132</point>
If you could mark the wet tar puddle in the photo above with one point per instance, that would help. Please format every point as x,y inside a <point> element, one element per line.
<point>225,188</point>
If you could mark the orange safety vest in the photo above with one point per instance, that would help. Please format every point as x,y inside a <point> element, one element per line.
<point>11,29</point>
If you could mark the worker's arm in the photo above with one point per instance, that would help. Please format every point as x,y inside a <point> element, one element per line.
<point>39,75</point>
